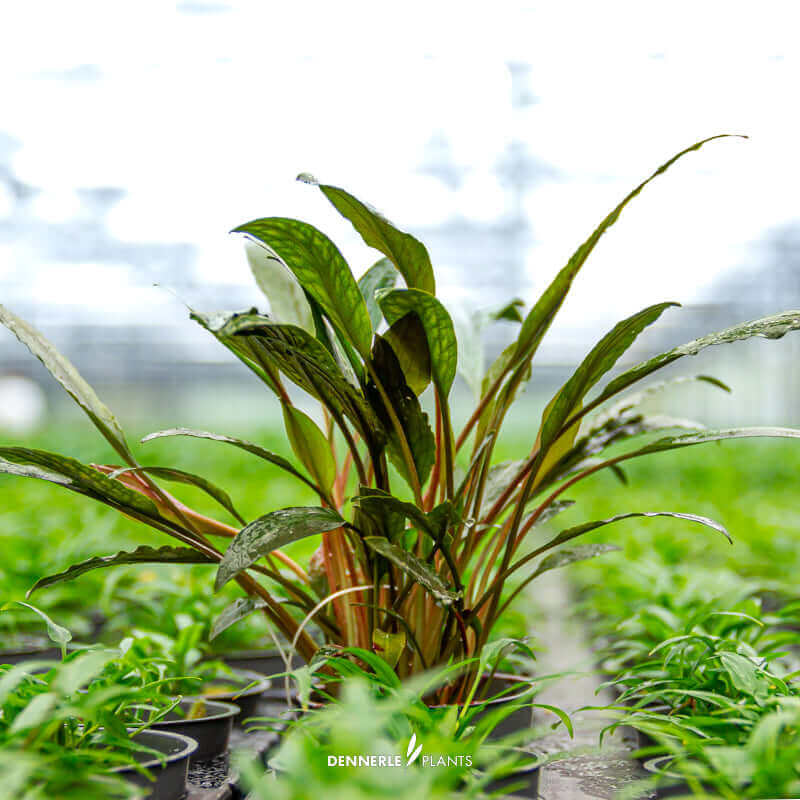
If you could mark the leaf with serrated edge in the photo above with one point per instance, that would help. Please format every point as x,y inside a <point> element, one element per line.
<point>271,532</point>
<point>141,555</point>
<point>421,572</point>
<point>68,376</point>
<point>322,271</point>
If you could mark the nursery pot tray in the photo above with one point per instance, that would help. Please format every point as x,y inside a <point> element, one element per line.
<point>211,731</point>
<point>169,775</point>
<point>222,689</point>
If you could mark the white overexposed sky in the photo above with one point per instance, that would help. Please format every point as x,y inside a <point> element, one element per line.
<point>204,112</point>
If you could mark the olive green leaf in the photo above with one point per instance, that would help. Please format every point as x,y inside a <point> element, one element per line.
<point>600,360</point>
<point>310,446</point>
<point>381,275</point>
<point>189,478</point>
<point>141,555</point>
<point>287,300</point>
<point>407,253</point>
<point>439,331</point>
<point>75,476</point>
<point>410,344</point>
<point>271,532</point>
<point>413,420</point>
<point>68,376</point>
<point>230,615</point>
<point>321,270</point>
<point>544,311</point>
<point>419,571</point>
<point>773,327</point>
<point>569,555</point>
<point>256,450</point>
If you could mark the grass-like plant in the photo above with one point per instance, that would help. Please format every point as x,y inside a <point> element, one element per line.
<point>418,561</point>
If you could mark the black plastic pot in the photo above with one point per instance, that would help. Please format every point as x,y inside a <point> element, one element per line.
<point>30,651</point>
<point>212,731</point>
<point>169,776</point>
<point>248,699</point>
<point>522,783</point>
<point>674,785</point>
<point>519,720</point>
<point>265,662</point>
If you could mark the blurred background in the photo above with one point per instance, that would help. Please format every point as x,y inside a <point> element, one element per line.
<point>133,137</point>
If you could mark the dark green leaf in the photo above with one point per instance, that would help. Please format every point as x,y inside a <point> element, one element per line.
<point>381,275</point>
<point>390,522</point>
<point>600,360</point>
<point>310,446</point>
<point>439,331</point>
<point>421,572</point>
<point>413,420</point>
<point>179,476</point>
<point>321,270</point>
<point>569,555</point>
<point>586,527</point>
<point>237,610</point>
<point>408,254</point>
<point>410,344</point>
<point>141,555</point>
<point>255,449</point>
<point>271,532</point>
<point>772,327</point>
<point>65,373</point>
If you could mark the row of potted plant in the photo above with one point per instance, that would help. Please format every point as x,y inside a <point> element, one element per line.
<point>425,541</point>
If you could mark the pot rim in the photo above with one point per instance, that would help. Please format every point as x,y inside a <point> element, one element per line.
<point>189,747</point>
<point>223,711</point>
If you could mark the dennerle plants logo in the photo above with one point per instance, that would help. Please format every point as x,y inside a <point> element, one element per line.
<point>413,753</point>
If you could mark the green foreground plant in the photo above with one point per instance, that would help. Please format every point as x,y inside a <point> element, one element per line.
<point>417,561</point>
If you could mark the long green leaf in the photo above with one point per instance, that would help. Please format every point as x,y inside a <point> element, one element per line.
<point>56,633</point>
<point>407,253</point>
<point>287,301</point>
<point>600,360</point>
<point>772,327</point>
<point>73,475</point>
<point>421,572</point>
<point>439,331</point>
<point>381,275</point>
<point>141,555</point>
<point>570,555</point>
<point>256,450</point>
<point>68,376</point>
<point>544,311</point>
<point>271,532</point>
<point>190,479</point>
<point>321,270</point>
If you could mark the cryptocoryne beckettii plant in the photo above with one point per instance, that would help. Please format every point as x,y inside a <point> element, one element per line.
<point>418,557</point>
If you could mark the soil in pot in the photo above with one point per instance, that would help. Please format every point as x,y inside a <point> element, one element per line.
<point>168,777</point>
<point>208,722</point>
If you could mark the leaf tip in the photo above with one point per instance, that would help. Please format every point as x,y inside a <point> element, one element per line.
<point>307,177</point>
